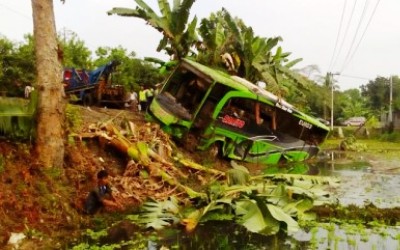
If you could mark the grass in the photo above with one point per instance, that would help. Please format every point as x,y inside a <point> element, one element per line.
<point>372,144</point>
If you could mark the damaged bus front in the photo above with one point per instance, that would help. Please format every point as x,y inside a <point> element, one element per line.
<point>244,121</point>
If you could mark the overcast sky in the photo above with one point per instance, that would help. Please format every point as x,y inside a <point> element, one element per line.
<point>358,39</point>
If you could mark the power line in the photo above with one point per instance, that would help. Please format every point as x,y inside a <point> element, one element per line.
<point>338,35</point>
<point>355,35</point>
<point>346,31</point>
<point>356,77</point>
<point>365,31</point>
<point>16,11</point>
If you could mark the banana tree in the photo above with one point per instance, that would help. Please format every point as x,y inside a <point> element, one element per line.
<point>253,56</point>
<point>179,35</point>
<point>218,34</point>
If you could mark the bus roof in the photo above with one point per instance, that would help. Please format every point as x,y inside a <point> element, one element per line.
<point>242,84</point>
<point>235,82</point>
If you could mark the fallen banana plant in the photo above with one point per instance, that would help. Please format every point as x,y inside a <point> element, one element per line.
<point>196,166</point>
<point>153,158</point>
<point>263,205</point>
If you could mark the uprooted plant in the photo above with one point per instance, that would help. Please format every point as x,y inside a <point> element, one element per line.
<point>263,204</point>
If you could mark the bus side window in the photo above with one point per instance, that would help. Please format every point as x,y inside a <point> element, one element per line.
<point>205,114</point>
<point>193,94</point>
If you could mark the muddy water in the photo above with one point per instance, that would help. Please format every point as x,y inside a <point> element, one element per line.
<point>362,182</point>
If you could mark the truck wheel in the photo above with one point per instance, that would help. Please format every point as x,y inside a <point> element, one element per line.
<point>87,100</point>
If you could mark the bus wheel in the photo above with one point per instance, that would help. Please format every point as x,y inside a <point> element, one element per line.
<point>87,99</point>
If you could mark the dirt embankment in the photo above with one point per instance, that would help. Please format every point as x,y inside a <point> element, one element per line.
<point>46,204</point>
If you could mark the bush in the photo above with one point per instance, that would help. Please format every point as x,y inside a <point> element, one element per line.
<point>390,137</point>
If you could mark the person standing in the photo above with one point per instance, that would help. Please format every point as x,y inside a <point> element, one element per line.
<point>142,99</point>
<point>149,95</point>
<point>132,100</point>
<point>28,90</point>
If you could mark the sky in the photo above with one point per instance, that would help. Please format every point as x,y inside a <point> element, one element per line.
<point>355,40</point>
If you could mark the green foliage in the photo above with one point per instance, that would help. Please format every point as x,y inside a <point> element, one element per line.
<point>390,137</point>
<point>17,65</point>
<point>140,241</point>
<point>179,33</point>
<point>377,92</point>
<point>132,72</point>
<point>263,204</point>
<point>74,51</point>
<point>350,144</point>
<point>73,117</point>
<point>290,168</point>
<point>373,123</point>
<point>158,214</point>
<point>17,117</point>
<point>255,58</point>
<point>54,173</point>
<point>353,104</point>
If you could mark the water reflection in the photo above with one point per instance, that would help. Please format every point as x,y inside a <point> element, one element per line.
<point>227,236</point>
<point>332,236</point>
<point>224,235</point>
<point>360,183</point>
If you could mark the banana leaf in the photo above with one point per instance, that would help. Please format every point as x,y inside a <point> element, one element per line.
<point>17,117</point>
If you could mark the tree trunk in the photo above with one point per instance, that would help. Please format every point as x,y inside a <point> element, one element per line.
<point>49,143</point>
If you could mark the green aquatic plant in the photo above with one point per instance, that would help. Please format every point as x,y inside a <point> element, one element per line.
<point>93,239</point>
<point>350,144</point>
<point>265,204</point>
<point>351,241</point>
<point>314,238</point>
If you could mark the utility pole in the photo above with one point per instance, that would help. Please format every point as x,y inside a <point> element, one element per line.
<point>330,79</point>
<point>390,117</point>
<point>66,32</point>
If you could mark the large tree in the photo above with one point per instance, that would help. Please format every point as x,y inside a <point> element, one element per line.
<point>49,144</point>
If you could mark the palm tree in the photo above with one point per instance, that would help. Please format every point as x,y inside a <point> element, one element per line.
<point>179,36</point>
<point>51,106</point>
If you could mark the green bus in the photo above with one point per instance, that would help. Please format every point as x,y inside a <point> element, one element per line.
<point>242,120</point>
